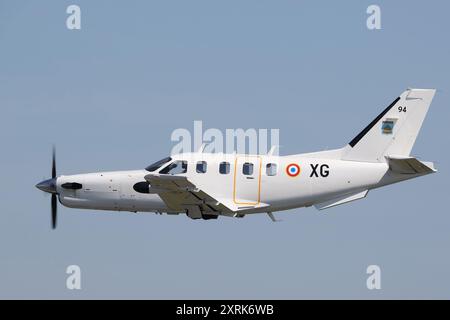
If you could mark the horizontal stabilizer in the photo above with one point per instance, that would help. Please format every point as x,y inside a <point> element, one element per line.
<point>341,200</point>
<point>409,165</point>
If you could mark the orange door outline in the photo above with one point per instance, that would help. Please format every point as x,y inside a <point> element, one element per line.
<point>259,180</point>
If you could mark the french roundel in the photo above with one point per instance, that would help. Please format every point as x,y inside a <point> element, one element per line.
<point>293,170</point>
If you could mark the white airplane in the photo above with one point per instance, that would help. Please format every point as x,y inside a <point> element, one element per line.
<point>205,186</point>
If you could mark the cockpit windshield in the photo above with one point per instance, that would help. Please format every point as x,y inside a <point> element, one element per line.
<point>158,164</point>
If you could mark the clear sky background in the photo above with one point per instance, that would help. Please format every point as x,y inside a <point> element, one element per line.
<point>110,95</point>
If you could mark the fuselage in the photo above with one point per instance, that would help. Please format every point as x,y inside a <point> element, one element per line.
<point>278,182</point>
<point>207,185</point>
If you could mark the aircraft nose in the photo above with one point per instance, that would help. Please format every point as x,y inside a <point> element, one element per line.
<point>47,185</point>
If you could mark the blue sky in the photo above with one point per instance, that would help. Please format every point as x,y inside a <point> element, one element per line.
<point>110,94</point>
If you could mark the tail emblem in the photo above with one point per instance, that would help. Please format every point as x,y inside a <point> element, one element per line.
<point>387,126</point>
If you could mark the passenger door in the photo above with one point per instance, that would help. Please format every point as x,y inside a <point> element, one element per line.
<point>247,180</point>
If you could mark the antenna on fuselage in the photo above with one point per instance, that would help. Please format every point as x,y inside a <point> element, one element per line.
<point>272,217</point>
<point>272,150</point>
<point>202,148</point>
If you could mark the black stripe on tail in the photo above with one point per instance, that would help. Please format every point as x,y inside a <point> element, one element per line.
<point>374,122</point>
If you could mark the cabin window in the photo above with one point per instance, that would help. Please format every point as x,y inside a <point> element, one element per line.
<point>201,166</point>
<point>247,169</point>
<point>271,169</point>
<point>176,167</point>
<point>155,166</point>
<point>224,168</point>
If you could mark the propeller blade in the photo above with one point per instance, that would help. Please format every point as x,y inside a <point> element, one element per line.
<point>54,163</point>
<point>54,203</point>
<point>54,210</point>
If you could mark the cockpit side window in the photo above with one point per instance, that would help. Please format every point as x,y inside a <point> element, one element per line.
<point>176,167</point>
<point>155,166</point>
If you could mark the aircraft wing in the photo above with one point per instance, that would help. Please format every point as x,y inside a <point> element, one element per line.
<point>180,195</point>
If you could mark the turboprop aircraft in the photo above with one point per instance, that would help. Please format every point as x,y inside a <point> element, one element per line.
<point>208,185</point>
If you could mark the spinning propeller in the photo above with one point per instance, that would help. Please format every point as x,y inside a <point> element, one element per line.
<point>49,186</point>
